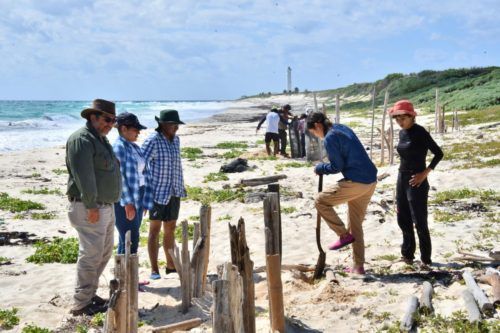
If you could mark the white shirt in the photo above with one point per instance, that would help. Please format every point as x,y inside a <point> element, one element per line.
<point>273,120</point>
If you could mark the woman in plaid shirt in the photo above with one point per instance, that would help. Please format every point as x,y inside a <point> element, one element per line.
<point>136,195</point>
<point>162,152</point>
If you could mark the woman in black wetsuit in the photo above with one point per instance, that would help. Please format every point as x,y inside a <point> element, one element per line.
<point>412,186</point>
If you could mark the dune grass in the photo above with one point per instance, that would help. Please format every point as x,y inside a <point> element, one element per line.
<point>42,190</point>
<point>191,153</point>
<point>215,177</point>
<point>232,145</point>
<point>209,195</point>
<point>8,318</point>
<point>465,193</point>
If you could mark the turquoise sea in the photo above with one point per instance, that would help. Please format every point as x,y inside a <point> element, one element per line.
<point>35,124</point>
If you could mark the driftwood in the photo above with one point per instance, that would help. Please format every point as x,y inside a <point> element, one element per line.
<point>262,180</point>
<point>426,297</point>
<point>240,257</point>
<point>471,306</point>
<point>221,309</point>
<point>275,287</point>
<point>492,277</point>
<point>230,273</point>
<point>186,269</point>
<point>409,316</point>
<point>180,326</point>
<point>299,267</point>
<point>484,304</point>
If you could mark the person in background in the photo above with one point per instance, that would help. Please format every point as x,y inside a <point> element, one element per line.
<point>272,119</point>
<point>302,132</point>
<point>162,151</point>
<point>137,192</point>
<point>94,185</point>
<point>412,187</point>
<point>285,115</point>
<point>346,155</point>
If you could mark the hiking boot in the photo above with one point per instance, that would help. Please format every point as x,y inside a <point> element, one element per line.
<point>99,300</point>
<point>407,261</point>
<point>89,310</point>
<point>343,241</point>
<point>170,270</point>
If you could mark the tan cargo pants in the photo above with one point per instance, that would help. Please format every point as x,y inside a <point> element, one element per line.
<point>95,249</point>
<point>357,196</point>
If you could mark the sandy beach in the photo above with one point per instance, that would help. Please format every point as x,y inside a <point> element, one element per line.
<point>43,293</point>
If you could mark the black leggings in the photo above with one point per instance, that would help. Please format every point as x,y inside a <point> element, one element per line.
<point>283,141</point>
<point>412,210</point>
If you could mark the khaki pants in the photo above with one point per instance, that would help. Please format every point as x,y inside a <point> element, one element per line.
<point>95,249</point>
<point>357,196</point>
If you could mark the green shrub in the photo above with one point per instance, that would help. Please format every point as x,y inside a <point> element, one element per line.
<point>98,319</point>
<point>281,166</point>
<point>232,145</point>
<point>43,190</point>
<point>388,257</point>
<point>288,210</point>
<point>194,218</point>
<point>215,177</point>
<point>447,217</point>
<point>43,216</point>
<point>35,329</point>
<point>60,250</point>
<point>15,205</point>
<point>208,195</point>
<point>191,153</point>
<point>224,217</point>
<point>465,193</point>
<point>8,318</point>
<point>5,260</point>
<point>233,153</point>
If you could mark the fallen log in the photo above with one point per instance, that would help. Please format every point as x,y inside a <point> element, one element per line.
<point>180,326</point>
<point>471,306</point>
<point>409,316</point>
<point>262,180</point>
<point>426,298</point>
<point>492,277</point>
<point>299,267</point>
<point>484,304</point>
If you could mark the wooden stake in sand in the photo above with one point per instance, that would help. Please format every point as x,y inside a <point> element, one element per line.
<point>240,257</point>
<point>373,123</point>
<point>409,316</point>
<point>337,109</point>
<point>275,287</point>
<point>471,306</point>
<point>275,188</point>
<point>383,139</point>
<point>436,112</point>
<point>271,221</point>
<point>201,251</point>
<point>186,269</point>
<point>426,298</point>
<point>180,326</point>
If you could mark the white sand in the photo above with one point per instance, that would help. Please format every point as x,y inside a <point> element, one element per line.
<point>339,308</point>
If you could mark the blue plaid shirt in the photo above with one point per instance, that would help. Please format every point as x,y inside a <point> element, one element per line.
<point>124,151</point>
<point>164,157</point>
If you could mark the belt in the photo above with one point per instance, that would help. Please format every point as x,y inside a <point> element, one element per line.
<point>76,199</point>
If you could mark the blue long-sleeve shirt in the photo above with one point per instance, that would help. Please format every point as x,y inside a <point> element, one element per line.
<point>347,155</point>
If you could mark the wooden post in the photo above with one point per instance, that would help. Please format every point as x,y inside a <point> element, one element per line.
<point>426,298</point>
<point>382,144</point>
<point>315,102</point>
<point>484,304</point>
<point>262,180</point>
<point>221,315</point>
<point>240,257</point>
<point>201,252</point>
<point>373,123</point>
<point>275,288</point>
<point>230,273</point>
<point>471,306</point>
<point>133,282</point>
<point>337,108</point>
<point>196,234</point>
<point>121,303</point>
<point>408,318</point>
<point>436,111</point>
<point>180,326</point>
<point>391,142</point>
<point>275,188</point>
<point>186,269</point>
<point>442,124</point>
<point>271,222</point>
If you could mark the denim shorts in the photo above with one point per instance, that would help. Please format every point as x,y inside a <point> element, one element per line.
<point>166,212</point>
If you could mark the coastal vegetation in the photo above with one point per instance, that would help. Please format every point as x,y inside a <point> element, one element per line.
<point>16,205</point>
<point>61,250</point>
<point>215,177</point>
<point>232,145</point>
<point>8,318</point>
<point>42,190</point>
<point>191,153</point>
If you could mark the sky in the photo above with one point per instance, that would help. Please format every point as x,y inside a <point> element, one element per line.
<point>224,49</point>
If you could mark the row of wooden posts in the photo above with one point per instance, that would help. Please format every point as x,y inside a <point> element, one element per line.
<point>387,136</point>
<point>476,302</point>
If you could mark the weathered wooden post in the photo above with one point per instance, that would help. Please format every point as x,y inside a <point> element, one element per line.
<point>221,309</point>
<point>384,113</point>
<point>436,112</point>
<point>316,109</point>
<point>186,269</point>
<point>409,318</point>
<point>201,252</point>
<point>271,222</point>
<point>373,123</point>
<point>391,142</point>
<point>240,257</point>
<point>337,108</point>
<point>230,273</point>
<point>484,304</point>
<point>275,188</point>
<point>471,306</point>
<point>426,298</point>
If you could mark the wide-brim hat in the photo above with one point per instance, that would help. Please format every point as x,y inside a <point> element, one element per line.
<point>130,120</point>
<point>169,116</point>
<point>101,106</point>
<point>402,107</point>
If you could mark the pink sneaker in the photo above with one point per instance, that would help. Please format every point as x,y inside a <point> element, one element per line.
<point>355,270</point>
<point>343,241</point>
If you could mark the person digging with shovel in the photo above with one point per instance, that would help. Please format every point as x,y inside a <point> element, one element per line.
<point>346,155</point>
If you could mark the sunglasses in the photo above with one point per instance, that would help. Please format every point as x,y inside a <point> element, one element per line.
<point>109,120</point>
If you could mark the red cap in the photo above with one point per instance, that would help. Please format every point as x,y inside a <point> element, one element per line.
<point>402,107</point>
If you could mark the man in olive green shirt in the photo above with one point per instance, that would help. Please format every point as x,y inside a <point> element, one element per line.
<point>94,185</point>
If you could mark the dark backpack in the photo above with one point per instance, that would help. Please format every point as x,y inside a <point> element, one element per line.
<point>237,165</point>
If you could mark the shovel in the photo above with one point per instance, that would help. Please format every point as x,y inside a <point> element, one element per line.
<point>320,265</point>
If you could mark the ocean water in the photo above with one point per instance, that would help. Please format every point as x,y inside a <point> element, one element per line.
<point>35,124</point>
